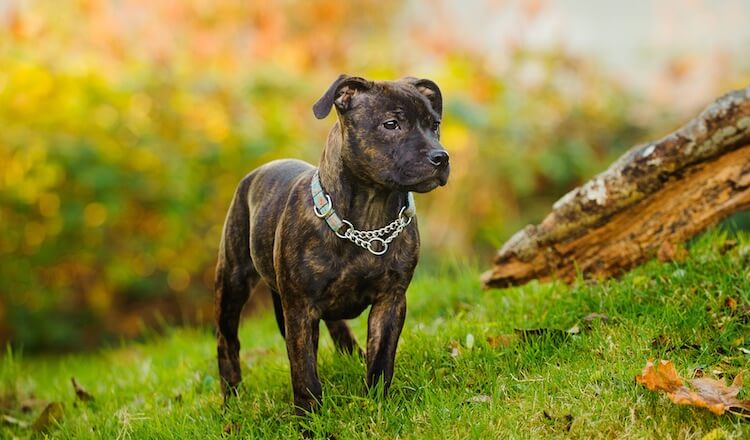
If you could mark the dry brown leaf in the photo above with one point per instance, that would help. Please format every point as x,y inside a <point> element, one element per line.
<point>12,421</point>
<point>81,394</point>
<point>661,376</point>
<point>591,317</point>
<point>711,394</point>
<point>52,413</point>
<point>730,303</point>
<point>501,340</point>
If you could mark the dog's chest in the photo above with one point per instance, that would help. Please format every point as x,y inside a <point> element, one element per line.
<point>356,287</point>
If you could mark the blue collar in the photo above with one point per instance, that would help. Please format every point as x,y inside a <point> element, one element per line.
<point>323,208</point>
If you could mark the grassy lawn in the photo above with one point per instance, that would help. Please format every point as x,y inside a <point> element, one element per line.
<point>450,381</point>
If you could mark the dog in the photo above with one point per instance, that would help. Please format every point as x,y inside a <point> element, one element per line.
<point>331,241</point>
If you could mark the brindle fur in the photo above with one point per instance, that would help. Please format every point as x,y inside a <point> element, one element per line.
<point>271,233</point>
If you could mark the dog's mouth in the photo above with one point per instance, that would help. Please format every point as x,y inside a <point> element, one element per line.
<point>426,184</point>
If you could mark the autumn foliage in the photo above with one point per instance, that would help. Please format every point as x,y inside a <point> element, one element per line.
<point>701,392</point>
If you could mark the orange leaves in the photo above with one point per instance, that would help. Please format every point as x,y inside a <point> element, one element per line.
<point>711,394</point>
<point>661,377</point>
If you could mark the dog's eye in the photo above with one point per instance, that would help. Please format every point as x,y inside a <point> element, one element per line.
<point>436,126</point>
<point>391,124</point>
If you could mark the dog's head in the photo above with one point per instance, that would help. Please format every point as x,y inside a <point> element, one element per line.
<point>390,130</point>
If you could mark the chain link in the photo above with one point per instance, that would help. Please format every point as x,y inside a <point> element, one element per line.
<point>375,241</point>
<point>369,239</point>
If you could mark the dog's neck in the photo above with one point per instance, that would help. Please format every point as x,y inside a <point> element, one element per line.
<point>365,205</point>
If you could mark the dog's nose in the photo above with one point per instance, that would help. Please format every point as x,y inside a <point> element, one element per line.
<point>439,158</point>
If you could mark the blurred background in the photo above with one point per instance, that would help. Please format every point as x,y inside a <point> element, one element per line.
<point>126,124</point>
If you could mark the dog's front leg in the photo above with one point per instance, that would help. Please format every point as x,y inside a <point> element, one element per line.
<point>302,330</point>
<point>383,329</point>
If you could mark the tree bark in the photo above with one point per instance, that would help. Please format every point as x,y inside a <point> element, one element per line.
<point>659,193</point>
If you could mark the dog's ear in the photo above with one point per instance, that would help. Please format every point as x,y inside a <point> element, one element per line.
<point>430,90</point>
<point>340,93</point>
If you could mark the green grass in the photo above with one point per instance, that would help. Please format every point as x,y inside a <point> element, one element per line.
<point>167,387</point>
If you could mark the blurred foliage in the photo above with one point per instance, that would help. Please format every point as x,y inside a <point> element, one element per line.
<point>126,126</point>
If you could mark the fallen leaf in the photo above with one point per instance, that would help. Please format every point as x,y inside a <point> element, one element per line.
<point>661,376</point>
<point>711,394</point>
<point>51,414</point>
<point>81,394</point>
<point>730,303</point>
<point>718,397</point>
<point>501,340</point>
<point>592,317</point>
<point>481,398</point>
<point>10,420</point>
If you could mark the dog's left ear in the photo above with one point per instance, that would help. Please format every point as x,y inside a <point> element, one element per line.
<point>430,90</point>
<point>340,93</point>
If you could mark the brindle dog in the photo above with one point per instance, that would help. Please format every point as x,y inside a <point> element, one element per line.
<point>384,145</point>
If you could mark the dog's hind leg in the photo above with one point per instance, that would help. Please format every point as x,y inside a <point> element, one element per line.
<point>235,277</point>
<point>342,336</point>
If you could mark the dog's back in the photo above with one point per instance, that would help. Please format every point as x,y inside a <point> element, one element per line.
<point>249,227</point>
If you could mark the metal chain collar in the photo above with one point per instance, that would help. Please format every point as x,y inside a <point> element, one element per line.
<point>375,241</point>
<point>368,239</point>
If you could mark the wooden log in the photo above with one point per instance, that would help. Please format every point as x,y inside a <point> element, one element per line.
<point>662,192</point>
